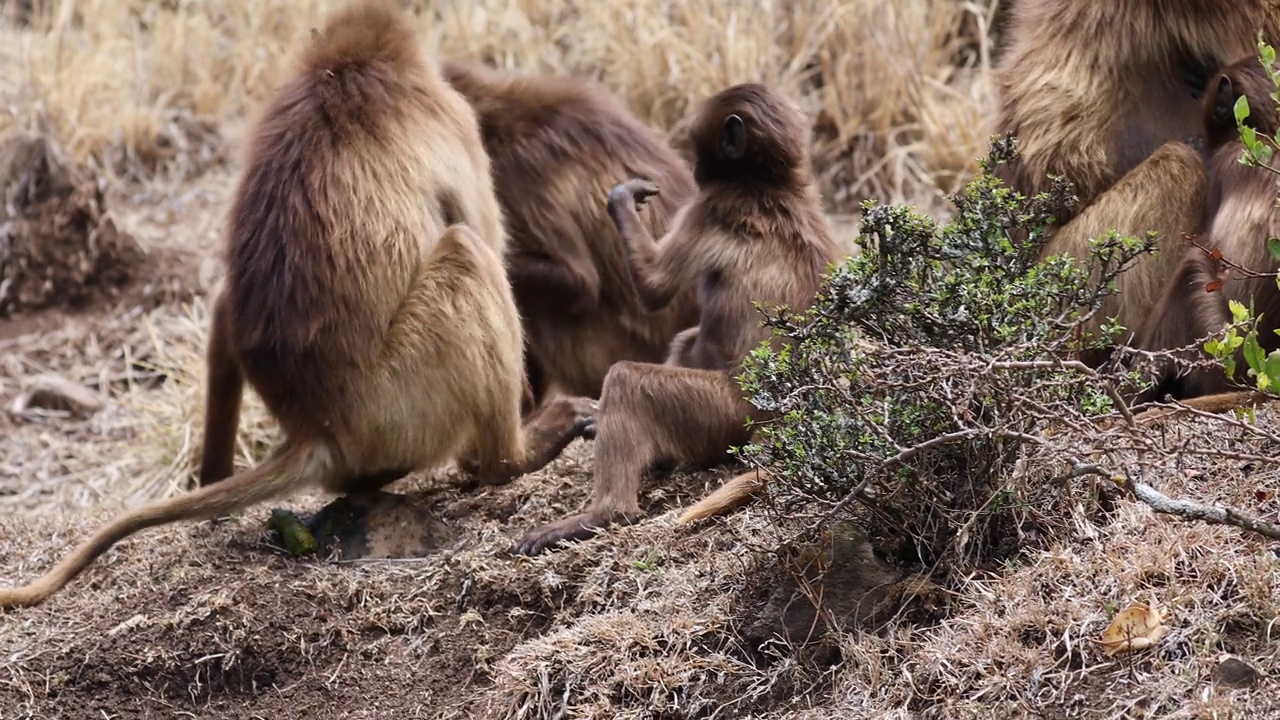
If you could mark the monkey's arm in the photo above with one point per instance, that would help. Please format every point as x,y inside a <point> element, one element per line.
<point>655,285</point>
<point>570,284</point>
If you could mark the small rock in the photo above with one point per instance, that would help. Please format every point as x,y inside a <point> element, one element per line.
<point>1235,673</point>
<point>210,276</point>
<point>370,525</point>
<point>54,392</point>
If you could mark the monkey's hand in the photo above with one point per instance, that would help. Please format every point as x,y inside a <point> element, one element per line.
<point>547,432</point>
<point>635,191</point>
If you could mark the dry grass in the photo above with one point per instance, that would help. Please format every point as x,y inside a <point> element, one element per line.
<point>642,621</point>
<point>206,620</point>
<point>1022,642</point>
<point>143,87</point>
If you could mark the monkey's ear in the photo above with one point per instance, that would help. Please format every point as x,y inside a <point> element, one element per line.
<point>733,139</point>
<point>1225,107</point>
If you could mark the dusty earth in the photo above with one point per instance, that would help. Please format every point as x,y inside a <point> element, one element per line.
<point>214,619</point>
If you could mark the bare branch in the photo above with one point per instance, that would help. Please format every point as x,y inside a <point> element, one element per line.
<point>1189,510</point>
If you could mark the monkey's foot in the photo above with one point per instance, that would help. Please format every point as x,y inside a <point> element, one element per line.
<point>582,526</point>
<point>578,416</point>
<point>547,432</point>
<point>563,415</point>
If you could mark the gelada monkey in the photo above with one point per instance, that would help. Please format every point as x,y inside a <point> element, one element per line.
<point>378,328</point>
<point>1240,215</point>
<point>1107,94</point>
<point>755,232</point>
<point>557,145</point>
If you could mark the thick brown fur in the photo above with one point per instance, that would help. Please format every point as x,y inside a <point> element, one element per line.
<point>1239,217</point>
<point>1106,93</point>
<point>754,232</point>
<point>557,146</point>
<point>379,331</point>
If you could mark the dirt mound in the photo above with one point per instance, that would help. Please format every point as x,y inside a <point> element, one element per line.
<point>58,245</point>
<point>649,621</point>
<point>212,616</point>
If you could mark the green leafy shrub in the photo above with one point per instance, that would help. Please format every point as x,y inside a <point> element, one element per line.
<point>926,364</point>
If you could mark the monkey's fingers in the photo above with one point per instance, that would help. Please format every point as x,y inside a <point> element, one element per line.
<point>584,411</point>
<point>642,190</point>
<point>632,191</point>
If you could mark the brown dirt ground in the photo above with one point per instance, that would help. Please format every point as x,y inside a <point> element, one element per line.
<point>209,620</point>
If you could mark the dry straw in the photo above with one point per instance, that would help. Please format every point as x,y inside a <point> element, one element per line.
<point>138,86</point>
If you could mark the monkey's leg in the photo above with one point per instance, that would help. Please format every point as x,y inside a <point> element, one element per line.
<point>224,389</point>
<point>1164,194</point>
<point>648,413</point>
<point>570,284</point>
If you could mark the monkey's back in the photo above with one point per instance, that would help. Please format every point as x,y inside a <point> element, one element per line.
<point>1092,88</point>
<point>1241,213</point>
<point>350,177</point>
<point>774,254</point>
<point>557,147</point>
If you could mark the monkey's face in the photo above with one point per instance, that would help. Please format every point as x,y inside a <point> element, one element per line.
<point>748,132</point>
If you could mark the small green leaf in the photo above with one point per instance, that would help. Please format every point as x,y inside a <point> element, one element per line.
<point>1253,352</point>
<point>1272,367</point>
<point>1249,137</point>
<point>1239,313</point>
<point>1242,108</point>
<point>1273,247</point>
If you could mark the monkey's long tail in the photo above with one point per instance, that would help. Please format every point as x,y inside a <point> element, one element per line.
<point>287,468</point>
<point>737,491</point>
<point>1218,403</point>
